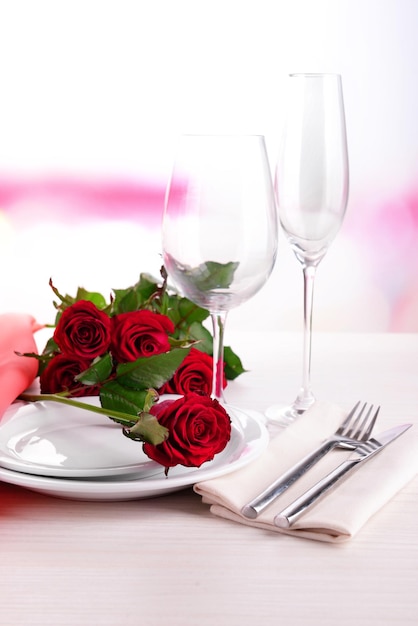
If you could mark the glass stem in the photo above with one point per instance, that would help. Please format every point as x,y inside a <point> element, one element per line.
<point>218,323</point>
<point>305,397</point>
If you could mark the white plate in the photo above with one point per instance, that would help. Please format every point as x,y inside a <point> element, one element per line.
<point>68,453</point>
<point>50,439</point>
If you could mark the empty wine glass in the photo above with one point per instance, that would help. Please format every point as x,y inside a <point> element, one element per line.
<point>219,231</point>
<point>311,186</point>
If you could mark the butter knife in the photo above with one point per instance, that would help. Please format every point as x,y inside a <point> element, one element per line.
<point>362,453</point>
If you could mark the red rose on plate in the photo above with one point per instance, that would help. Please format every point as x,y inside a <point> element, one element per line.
<point>193,375</point>
<point>140,333</point>
<point>199,427</point>
<point>83,330</point>
<point>59,375</point>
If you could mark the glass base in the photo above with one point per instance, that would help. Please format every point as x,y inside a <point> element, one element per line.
<point>285,415</point>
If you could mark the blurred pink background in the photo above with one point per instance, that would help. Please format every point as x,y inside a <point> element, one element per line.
<point>94,95</point>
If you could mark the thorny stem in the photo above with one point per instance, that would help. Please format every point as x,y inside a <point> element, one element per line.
<point>123,418</point>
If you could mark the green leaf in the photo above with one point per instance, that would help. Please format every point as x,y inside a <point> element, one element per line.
<point>200,334</point>
<point>134,297</point>
<point>152,371</point>
<point>211,275</point>
<point>50,350</point>
<point>144,426</point>
<point>91,296</point>
<point>98,372</point>
<point>33,355</point>
<point>147,429</point>
<point>125,301</point>
<point>190,312</point>
<point>50,347</point>
<point>115,397</point>
<point>233,365</point>
<point>185,342</point>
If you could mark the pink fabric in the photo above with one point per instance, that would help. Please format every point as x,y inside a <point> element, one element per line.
<point>16,372</point>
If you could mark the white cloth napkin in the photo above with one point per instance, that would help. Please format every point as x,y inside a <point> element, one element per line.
<point>344,510</point>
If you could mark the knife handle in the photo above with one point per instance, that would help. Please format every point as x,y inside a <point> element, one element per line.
<point>291,513</point>
<point>273,491</point>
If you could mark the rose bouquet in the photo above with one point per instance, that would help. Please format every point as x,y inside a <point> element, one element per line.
<point>147,341</point>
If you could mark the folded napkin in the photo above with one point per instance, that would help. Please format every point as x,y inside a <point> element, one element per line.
<point>344,510</point>
<point>16,372</point>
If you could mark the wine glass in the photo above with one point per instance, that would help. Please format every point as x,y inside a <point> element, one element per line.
<point>311,186</point>
<point>219,232</point>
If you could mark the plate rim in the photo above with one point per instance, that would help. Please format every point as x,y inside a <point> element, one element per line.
<point>92,488</point>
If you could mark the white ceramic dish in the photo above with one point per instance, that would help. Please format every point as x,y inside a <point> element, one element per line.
<point>65,452</point>
<point>51,439</point>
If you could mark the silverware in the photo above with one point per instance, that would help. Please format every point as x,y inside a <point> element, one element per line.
<point>362,453</point>
<point>348,435</point>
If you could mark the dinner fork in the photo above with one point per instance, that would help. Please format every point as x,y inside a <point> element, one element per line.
<point>355,429</point>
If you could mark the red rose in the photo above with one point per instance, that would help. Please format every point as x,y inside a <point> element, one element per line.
<point>83,330</point>
<point>193,375</point>
<point>138,334</point>
<point>199,427</point>
<point>60,373</point>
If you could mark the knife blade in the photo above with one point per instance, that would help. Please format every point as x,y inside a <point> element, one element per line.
<point>362,453</point>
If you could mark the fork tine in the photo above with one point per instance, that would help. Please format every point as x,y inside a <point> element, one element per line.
<point>367,433</point>
<point>348,419</point>
<point>361,427</point>
<point>351,431</point>
<point>357,433</point>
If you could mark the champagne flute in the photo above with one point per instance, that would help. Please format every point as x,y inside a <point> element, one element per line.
<point>219,232</point>
<point>311,186</point>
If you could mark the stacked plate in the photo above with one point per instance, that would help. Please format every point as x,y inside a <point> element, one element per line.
<point>70,453</point>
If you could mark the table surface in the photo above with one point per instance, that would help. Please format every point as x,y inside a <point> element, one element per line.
<point>168,560</point>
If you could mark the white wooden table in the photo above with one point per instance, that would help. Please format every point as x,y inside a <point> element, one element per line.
<point>169,561</point>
